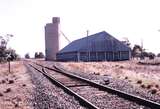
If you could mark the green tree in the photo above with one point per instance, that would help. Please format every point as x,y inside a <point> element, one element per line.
<point>158,55</point>
<point>126,42</point>
<point>41,55</point>
<point>27,56</point>
<point>136,51</point>
<point>4,52</point>
<point>151,55</point>
<point>36,55</point>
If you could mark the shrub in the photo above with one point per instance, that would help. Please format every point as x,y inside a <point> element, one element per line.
<point>139,82</point>
<point>153,91</point>
<point>27,56</point>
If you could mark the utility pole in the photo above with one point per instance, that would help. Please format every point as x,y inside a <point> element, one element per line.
<point>9,55</point>
<point>9,66</point>
<point>87,33</point>
<point>142,43</point>
<point>9,62</point>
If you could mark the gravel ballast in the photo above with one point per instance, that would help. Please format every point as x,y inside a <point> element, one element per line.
<point>45,95</point>
<point>122,85</point>
<point>101,99</point>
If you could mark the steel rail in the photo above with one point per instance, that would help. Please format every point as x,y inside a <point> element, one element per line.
<point>84,102</point>
<point>130,97</point>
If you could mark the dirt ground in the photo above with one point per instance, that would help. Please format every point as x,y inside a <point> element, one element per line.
<point>143,76</point>
<point>14,86</point>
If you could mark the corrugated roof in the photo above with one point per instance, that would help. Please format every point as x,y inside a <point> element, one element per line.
<point>101,41</point>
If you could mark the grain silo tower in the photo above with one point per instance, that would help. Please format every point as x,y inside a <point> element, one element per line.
<point>52,39</point>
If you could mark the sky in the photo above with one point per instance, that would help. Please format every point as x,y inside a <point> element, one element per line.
<point>137,20</point>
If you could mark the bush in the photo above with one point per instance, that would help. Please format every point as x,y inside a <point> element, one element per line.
<point>158,55</point>
<point>8,55</point>
<point>27,56</point>
<point>39,55</point>
<point>151,55</point>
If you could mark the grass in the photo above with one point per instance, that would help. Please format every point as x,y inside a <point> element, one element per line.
<point>139,75</point>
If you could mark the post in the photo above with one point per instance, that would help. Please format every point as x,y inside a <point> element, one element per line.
<point>105,56</point>
<point>96,56</point>
<point>78,56</point>
<point>113,56</point>
<point>120,55</point>
<point>89,56</point>
<point>9,66</point>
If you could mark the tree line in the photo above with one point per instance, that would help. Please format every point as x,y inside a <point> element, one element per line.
<point>37,55</point>
<point>136,52</point>
<point>139,52</point>
<point>10,54</point>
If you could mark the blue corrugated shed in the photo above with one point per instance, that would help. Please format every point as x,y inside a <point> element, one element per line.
<point>99,43</point>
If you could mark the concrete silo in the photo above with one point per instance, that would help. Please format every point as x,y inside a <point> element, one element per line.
<point>52,39</point>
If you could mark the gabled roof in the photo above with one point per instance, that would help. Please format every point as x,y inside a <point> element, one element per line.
<point>101,41</point>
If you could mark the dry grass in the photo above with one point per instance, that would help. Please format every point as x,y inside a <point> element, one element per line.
<point>138,75</point>
<point>155,61</point>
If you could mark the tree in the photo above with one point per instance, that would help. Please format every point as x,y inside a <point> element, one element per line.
<point>3,44</point>
<point>4,52</point>
<point>39,55</point>
<point>158,55</point>
<point>27,56</point>
<point>36,55</point>
<point>126,42</point>
<point>12,54</point>
<point>4,40</point>
<point>144,54</point>
<point>151,55</point>
<point>136,51</point>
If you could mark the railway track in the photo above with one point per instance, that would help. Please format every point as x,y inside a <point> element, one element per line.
<point>82,88</point>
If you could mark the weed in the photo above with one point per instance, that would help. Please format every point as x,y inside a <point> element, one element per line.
<point>139,82</point>
<point>1,94</point>
<point>143,86</point>
<point>126,77</point>
<point>153,91</point>
<point>7,90</point>
<point>10,82</point>
<point>157,86</point>
<point>149,86</point>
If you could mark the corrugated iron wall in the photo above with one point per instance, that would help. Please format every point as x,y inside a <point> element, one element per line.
<point>94,56</point>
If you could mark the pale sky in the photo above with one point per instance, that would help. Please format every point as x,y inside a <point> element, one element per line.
<point>25,19</point>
